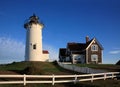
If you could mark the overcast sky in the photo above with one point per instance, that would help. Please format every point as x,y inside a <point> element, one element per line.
<point>65,21</point>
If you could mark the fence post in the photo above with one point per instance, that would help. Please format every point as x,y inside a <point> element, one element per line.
<point>92,77</point>
<point>24,79</point>
<point>104,76</point>
<point>75,79</point>
<point>53,80</point>
<point>112,75</point>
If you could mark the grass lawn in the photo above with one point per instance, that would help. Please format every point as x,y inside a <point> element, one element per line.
<point>108,67</point>
<point>45,68</point>
<point>34,68</point>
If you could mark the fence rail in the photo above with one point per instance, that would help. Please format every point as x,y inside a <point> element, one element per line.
<point>26,79</point>
<point>80,69</point>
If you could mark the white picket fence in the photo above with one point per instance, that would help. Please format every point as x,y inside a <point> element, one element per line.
<point>80,69</point>
<point>53,79</point>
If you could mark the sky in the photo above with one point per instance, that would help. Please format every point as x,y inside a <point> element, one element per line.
<point>64,21</point>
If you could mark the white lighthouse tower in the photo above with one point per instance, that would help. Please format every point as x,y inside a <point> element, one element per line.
<point>33,51</point>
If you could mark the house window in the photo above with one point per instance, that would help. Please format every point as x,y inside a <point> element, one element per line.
<point>78,57</point>
<point>34,46</point>
<point>94,48</point>
<point>94,57</point>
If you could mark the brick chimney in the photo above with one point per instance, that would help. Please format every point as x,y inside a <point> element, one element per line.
<point>87,39</point>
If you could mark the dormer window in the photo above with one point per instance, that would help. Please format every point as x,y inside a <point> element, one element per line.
<point>94,47</point>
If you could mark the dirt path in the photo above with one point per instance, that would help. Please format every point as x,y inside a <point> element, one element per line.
<point>8,73</point>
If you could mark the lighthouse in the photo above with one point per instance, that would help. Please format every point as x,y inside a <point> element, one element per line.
<point>33,50</point>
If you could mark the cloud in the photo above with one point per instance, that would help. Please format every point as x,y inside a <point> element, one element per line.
<point>12,50</point>
<point>115,52</point>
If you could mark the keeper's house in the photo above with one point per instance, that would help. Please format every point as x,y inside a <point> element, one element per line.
<point>85,53</point>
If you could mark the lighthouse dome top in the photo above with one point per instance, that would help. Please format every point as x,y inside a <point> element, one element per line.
<point>32,20</point>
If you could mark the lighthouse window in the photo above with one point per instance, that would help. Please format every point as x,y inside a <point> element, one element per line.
<point>34,46</point>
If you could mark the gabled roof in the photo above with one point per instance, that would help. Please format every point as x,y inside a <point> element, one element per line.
<point>82,46</point>
<point>76,46</point>
<point>62,51</point>
<point>92,40</point>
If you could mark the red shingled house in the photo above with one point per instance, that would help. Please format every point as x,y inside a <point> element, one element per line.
<point>85,53</point>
